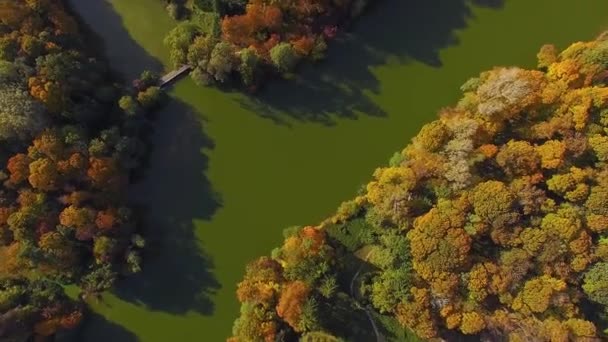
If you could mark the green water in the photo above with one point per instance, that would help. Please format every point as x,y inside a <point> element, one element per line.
<point>228,172</point>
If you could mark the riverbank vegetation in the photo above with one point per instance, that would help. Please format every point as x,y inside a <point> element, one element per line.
<point>69,139</point>
<point>246,41</point>
<point>491,224</point>
<point>38,306</point>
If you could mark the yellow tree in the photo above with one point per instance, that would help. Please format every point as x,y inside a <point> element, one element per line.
<point>440,245</point>
<point>518,158</point>
<point>551,154</point>
<point>472,323</point>
<point>44,175</point>
<point>389,192</point>
<point>537,293</point>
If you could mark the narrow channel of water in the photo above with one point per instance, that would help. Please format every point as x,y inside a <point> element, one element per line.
<point>228,172</point>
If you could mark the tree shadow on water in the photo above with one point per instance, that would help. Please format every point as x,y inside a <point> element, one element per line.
<point>177,275</point>
<point>97,328</point>
<point>339,87</point>
<point>489,3</point>
<point>112,39</point>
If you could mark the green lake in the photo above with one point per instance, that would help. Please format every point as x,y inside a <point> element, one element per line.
<point>229,171</point>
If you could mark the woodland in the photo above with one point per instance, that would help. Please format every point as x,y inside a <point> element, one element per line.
<point>70,139</point>
<point>244,42</point>
<point>490,225</point>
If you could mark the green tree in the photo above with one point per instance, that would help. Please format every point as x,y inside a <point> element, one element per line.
<point>8,72</point>
<point>390,288</point>
<point>105,248</point>
<point>8,48</point>
<point>223,61</point>
<point>255,323</point>
<point>149,78</point>
<point>128,105</point>
<point>328,287</point>
<point>98,280</point>
<point>201,77</point>
<point>319,336</point>
<point>150,98</point>
<point>284,57</point>
<point>249,67</point>
<point>178,40</point>
<point>309,319</point>
<point>595,283</point>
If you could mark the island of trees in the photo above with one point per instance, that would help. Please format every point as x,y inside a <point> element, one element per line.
<point>247,40</point>
<point>69,138</point>
<point>491,225</point>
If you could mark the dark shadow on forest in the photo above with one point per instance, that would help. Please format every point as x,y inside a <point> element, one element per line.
<point>177,276</point>
<point>97,328</point>
<point>338,87</point>
<point>124,53</point>
<point>172,189</point>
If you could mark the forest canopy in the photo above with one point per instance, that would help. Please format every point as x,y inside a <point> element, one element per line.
<point>247,40</point>
<point>69,139</point>
<point>492,223</point>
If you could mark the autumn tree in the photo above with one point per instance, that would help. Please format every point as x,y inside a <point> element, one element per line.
<point>104,173</point>
<point>43,175</point>
<point>262,279</point>
<point>291,302</point>
<point>35,309</point>
<point>518,158</point>
<point>18,167</point>
<point>20,115</point>
<point>440,245</point>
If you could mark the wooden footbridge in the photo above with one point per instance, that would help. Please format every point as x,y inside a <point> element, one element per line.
<point>174,75</point>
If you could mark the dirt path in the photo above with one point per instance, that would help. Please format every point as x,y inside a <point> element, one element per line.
<point>379,337</point>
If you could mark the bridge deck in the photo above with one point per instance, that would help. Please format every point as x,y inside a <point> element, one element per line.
<point>173,75</point>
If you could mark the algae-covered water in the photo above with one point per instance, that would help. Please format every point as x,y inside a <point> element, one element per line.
<point>229,171</point>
